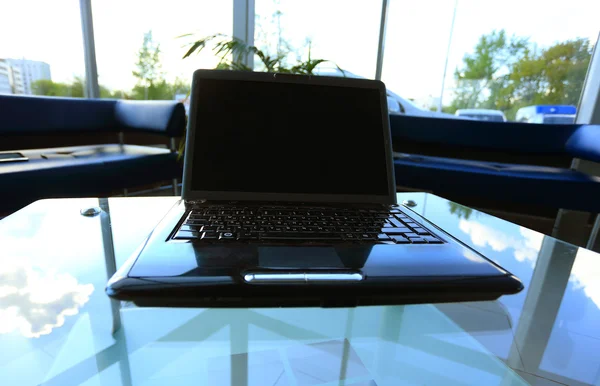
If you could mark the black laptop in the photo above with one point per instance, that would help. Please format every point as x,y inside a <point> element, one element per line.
<point>289,200</point>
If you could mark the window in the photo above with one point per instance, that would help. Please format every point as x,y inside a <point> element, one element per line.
<point>500,57</point>
<point>123,28</point>
<point>42,52</point>
<point>343,32</point>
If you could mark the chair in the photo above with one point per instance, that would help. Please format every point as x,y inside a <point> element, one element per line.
<point>499,165</point>
<point>91,169</point>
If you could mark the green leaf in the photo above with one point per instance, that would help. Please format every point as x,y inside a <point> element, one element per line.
<point>196,45</point>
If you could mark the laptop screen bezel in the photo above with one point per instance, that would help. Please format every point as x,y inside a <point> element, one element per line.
<point>195,195</point>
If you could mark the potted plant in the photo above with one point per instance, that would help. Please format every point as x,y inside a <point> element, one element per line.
<point>231,51</point>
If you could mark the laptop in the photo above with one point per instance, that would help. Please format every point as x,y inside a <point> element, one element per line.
<point>289,199</point>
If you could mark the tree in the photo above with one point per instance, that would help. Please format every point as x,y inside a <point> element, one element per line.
<point>509,73</point>
<point>151,83</point>
<point>74,89</point>
<point>46,87</point>
<point>179,86</point>
<point>460,211</point>
<point>483,74</point>
<point>554,76</point>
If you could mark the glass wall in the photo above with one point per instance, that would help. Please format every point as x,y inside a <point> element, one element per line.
<point>521,61</point>
<point>41,49</point>
<point>518,60</point>
<point>345,33</point>
<point>139,49</point>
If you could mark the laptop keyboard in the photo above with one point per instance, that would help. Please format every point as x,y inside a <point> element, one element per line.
<point>302,224</point>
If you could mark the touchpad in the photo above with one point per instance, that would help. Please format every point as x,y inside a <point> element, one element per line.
<point>298,257</point>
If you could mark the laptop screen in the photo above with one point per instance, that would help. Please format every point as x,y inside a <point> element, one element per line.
<point>292,138</point>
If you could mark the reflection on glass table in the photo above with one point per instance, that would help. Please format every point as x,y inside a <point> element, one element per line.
<point>56,323</point>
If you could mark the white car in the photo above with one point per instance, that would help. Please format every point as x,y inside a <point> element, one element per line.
<point>482,114</point>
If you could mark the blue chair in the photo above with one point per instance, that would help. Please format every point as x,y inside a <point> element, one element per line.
<point>503,162</point>
<point>90,170</point>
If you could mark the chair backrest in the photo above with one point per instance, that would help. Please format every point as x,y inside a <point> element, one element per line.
<point>28,122</point>
<point>24,115</point>
<point>157,117</point>
<point>511,142</point>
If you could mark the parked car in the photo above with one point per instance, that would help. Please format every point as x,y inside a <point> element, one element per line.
<point>482,114</point>
<point>396,103</point>
<point>556,114</point>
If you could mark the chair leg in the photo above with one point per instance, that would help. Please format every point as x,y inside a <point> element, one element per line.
<point>571,226</point>
<point>175,187</point>
<point>594,234</point>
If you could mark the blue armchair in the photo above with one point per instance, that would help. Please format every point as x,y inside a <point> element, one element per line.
<point>503,162</point>
<point>91,170</point>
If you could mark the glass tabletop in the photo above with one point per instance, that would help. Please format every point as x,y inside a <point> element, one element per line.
<point>57,326</point>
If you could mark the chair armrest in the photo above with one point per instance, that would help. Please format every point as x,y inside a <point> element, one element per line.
<point>157,117</point>
<point>513,137</point>
<point>584,143</point>
<point>27,115</point>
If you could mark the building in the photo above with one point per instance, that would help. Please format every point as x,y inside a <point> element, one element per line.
<point>5,78</point>
<point>11,79</point>
<point>30,70</point>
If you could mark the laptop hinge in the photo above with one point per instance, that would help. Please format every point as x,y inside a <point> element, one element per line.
<point>282,203</point>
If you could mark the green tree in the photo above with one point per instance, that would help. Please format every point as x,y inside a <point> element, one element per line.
<point>553,76</point>
<point>46,87</point>
<point>74,89</point>
<point>507,74</point>
<point>150,78</point>
<point>483,76</point>
<point>180,86</point>
<point>460,211</point>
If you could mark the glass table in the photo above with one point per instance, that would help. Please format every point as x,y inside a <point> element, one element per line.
<point>57,326</point>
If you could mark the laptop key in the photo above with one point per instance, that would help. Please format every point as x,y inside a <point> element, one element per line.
<point>397,223</point>
<point>395,231</point>
<point>194,222</point>
<point>432,240</point>
<point>187,235</point>
<point>421,231</point>
<point>417,240</point>
<point>399,239</point>
<point>383,237</point>
<point>227,236</point>
<point>248,236</point>
<point>209,236</point>
<point>191,228</point>
<point>300,236</point>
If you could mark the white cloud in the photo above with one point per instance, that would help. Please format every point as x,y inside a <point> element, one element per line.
<point>585,274</point>
<point>33,301</point>
<point>526,247</point>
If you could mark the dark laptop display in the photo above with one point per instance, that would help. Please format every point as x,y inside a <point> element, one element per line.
<point>289,200</point>
<point>288,138</point>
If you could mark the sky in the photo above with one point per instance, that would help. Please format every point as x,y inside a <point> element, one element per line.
<point>344,31</point>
